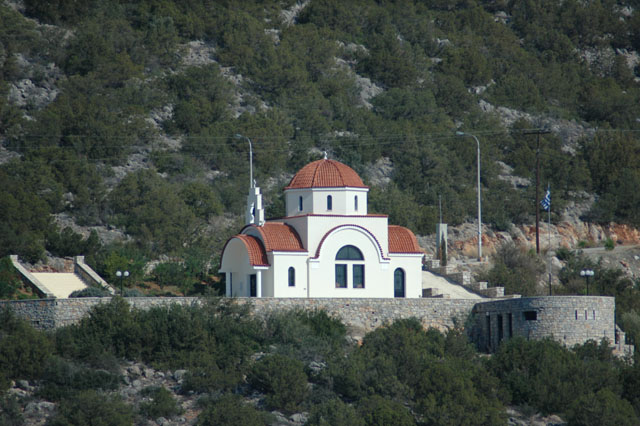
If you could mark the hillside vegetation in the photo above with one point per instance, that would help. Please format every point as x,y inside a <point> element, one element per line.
<point>124,114</point>
<point>242,371</point>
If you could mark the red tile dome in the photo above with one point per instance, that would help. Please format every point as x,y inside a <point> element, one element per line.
<point>326,174</point>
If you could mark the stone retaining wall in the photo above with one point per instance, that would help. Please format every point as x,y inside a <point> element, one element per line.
<point>568,319</point>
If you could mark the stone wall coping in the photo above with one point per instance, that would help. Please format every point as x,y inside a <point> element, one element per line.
<point>31,280</point>
<point>90,276</point>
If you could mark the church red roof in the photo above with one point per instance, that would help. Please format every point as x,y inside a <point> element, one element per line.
<point>255,249</point>
<point>402,240</point>
<point>326,174</point>
<point>279,236</point>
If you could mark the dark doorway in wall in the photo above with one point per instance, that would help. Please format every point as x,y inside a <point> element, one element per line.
<point>530,315</point>
<point>500,330</point>
<point>510,325</point>
<point>488,332</point>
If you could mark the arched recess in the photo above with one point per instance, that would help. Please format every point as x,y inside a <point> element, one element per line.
<point>362,230</point>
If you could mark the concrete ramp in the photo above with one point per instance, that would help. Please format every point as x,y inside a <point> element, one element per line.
<point>445,287</point>
<point>61,284</point>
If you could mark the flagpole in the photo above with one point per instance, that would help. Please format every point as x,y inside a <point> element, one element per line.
<point>549,250</point>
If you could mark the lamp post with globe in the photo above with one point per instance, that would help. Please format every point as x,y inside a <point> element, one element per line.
<point>121,275</point>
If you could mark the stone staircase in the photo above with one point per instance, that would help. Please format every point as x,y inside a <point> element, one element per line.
<point>462,278</point>
<point>54,284</point>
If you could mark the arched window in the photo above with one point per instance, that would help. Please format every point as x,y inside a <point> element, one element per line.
<point>398,283</point>
<point>292,276</point>
<point>349,253</point>
<point>300,203</point>
<point>349,256</point>
<point>355,203</point>
<point>329,202</point>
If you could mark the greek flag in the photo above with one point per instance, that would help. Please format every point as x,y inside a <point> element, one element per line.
<point>546,201</point>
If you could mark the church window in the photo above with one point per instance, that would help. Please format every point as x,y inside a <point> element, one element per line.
<point>341,276</point>
<point>398,283</point>
<point>349,253</point>
<point>329,202</point>
<point>351,256</point>
<point>300,203</point>
<point>292,276</point>
<point>358,276</point>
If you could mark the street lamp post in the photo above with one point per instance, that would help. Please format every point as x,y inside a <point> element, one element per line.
<point>586,273</point>
<point>459,133</point>
<point>122,275</point>
<point>239,136</point>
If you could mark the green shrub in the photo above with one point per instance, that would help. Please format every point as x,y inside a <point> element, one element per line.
<point>602,408</point>
<point>62,378</point>
<point>11,412</point>
<point>24,350</point>
<point>161,404</point>
<point>609,244</point>
<point>282,379</point>
<point>90,292</point>
<point>377,411</point>
<point>334,413</point>
<point>305,335</point>
<point>516,270</point>
<point>229,410</point>
<point>92,408</point>
<point>9,279</point>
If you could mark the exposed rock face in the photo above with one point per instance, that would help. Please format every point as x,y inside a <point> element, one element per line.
<point>464,241</point>
<point>39,85</point>
<point>289,15</point>
<point>569,131</point>
<point>380,172</point>
<point>198,53</point>
<point>506,174</point>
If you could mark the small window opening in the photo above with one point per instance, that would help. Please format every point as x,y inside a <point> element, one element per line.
<point>530,315</point>
<point>585,314</point>
<point>329,202</point>
<point>300,203</point>
<point>292,277</point>
<point>576,314</point>
<point>355,203</point>
<point>594,314</point>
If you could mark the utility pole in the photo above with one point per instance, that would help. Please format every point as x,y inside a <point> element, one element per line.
<point>537,132</point>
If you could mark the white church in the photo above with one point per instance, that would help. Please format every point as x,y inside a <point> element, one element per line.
<point>327,245</point>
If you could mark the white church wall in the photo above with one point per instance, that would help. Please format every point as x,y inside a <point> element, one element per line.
<point>235,263</point>
<point>342,200</point>
<point>281,265</point>
<point>292,202</point>
<point>318,226</point>
<point>314,201</point>
<point>322,281</point>
<point>411,264</point>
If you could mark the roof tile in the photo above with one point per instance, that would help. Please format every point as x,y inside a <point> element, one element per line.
<point>402,240</point>
<point>279,236</point>
<point>326,174</point>
<point>255,249</point>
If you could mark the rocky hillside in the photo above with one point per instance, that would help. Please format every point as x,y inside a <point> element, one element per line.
<point>118,121</point>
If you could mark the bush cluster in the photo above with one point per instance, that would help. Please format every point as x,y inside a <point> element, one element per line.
<point>400,374</point>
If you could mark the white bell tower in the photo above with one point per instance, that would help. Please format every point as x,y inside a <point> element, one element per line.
<point>255,211</point>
